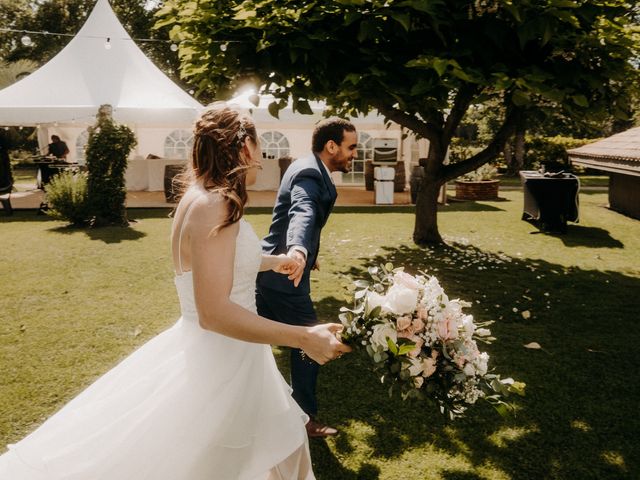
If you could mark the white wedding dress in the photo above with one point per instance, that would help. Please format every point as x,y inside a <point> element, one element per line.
<point>190,404</point>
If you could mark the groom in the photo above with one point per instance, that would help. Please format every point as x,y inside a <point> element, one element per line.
<point>304,202</point>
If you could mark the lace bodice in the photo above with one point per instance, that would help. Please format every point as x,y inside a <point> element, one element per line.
<point>246,266</point>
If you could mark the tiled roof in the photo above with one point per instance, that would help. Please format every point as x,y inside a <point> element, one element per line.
<point>618,153</point>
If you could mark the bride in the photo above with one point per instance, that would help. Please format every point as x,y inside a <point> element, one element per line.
<point>204,399</point>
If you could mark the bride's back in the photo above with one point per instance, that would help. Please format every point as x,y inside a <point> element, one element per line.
<point>211,206</point>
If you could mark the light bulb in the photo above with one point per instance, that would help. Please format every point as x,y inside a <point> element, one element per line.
<point>174,47</point>
<point>107,44</point>
<point>26,40</point>
<point>223,47</point>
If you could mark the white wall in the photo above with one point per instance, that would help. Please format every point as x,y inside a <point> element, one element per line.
<point>297,129</point>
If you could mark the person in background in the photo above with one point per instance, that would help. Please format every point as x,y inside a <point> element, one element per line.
<point>58,148</point>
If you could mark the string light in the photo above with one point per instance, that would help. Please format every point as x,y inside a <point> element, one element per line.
<point>27,41</point>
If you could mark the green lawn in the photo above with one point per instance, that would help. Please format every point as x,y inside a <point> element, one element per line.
<point>75,302</point>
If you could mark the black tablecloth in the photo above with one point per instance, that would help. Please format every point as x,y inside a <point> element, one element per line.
<point>550,199</point>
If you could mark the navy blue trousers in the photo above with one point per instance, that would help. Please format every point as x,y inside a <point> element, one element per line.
<point>294,310</point>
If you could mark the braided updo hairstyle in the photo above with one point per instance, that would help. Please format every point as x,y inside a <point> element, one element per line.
<point>219,135</point>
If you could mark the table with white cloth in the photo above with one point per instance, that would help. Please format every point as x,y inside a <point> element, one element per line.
<point>268,177</point>
<point>148,173</point>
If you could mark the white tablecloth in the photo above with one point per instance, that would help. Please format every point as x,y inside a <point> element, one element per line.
<point>269,177</point>
<point>148,174</point>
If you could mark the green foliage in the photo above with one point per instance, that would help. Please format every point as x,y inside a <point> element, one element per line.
<point>421,64</point>
<point>67,197</point>
<point>551,151</point>
<point>107,150</point>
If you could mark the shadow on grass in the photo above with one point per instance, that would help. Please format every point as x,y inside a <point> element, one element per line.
<point>104,234</point>
<point>593,237</point>
<point>470,206</point>
<point>579,417</point>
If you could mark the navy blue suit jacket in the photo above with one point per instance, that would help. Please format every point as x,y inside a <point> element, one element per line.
<point>304,202</point>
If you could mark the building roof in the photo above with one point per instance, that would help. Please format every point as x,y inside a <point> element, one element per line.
<point>619,153</point>
<point>100,65</point>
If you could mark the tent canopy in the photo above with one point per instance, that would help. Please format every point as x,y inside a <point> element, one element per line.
<point>85,74</point>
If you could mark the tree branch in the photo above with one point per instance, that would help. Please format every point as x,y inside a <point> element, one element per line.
<point>454,170</point>
<point>461,103</point>
<point>422,128</point>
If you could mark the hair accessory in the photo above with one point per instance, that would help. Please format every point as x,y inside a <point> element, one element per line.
<point>242,133</point>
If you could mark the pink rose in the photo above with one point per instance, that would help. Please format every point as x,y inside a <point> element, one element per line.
<point>423,313</point>
<point>428,367</point>
<point>403,323</point>
<point>416,351</point>
<point>417,325</point>
<point>447,328</point>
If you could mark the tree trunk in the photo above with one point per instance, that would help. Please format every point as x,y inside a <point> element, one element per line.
<point>508,158</point>
<point>426,226</point>
<point>519,147</point>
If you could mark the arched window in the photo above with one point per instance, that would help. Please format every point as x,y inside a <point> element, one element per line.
<point>365,152</point>
<point>178,144</point>
<point>274,145</point>
<point>81,145</point>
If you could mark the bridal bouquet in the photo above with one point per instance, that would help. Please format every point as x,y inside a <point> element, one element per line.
<point>421,342</point>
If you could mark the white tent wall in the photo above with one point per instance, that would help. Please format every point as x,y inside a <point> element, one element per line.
<point>63,97</point>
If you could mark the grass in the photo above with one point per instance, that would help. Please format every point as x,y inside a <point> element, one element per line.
<point>76,301</point>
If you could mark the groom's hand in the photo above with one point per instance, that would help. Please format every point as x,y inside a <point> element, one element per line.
<point>296,274</point>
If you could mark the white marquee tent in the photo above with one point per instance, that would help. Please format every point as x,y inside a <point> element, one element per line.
<point>87,74</point>
<point>103,65</point>
<point>63,97</point>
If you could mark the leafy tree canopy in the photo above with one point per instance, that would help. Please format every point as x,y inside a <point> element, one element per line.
<point>421,63</point>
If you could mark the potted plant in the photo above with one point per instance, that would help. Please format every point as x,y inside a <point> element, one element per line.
<point>480,184</point>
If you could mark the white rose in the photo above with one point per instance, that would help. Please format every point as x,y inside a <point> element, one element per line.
<point>401,300</point>
<point>374,300</point>
<point>381,332</point>
<point>406,280</point>
<point>469,370</point>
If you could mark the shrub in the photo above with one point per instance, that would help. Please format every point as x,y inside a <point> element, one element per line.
<point>551,151</point>
<point>107,151</point>
<point>67,197</point>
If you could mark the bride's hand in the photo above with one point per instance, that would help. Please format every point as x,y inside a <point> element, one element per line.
<point>284,264</point>
<point>322,343</point>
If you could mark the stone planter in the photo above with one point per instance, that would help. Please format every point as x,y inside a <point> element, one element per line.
<point>482,190</point>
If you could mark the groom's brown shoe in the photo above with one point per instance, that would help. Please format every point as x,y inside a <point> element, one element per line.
<point>316,429</point>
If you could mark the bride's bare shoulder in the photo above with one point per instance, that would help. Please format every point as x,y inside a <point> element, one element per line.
<point>205,207</point>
